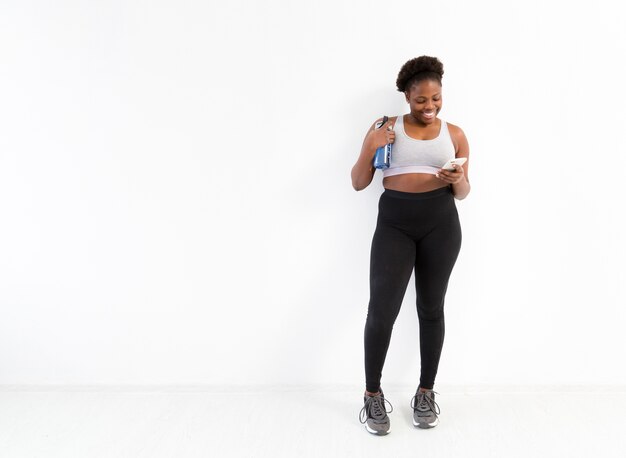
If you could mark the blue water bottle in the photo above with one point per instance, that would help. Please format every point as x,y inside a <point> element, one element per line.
<point>383,153</point>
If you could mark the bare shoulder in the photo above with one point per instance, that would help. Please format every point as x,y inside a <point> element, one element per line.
<point>455,131</point>
<point>459,139</point>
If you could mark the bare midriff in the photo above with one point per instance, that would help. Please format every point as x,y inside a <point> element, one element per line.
<point>413,182</point>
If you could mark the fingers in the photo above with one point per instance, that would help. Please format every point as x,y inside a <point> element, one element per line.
<point>450,176</point>
<point>390,135</point>
<point>387,131</point>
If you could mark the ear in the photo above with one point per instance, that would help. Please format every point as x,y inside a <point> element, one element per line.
<point>406,95</point>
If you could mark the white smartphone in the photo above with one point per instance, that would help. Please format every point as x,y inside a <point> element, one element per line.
<point>457,160</point>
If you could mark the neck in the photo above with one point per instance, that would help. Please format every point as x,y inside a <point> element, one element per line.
<point>420,123</point>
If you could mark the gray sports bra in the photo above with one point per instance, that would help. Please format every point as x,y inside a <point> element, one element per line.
<point>409,155</point>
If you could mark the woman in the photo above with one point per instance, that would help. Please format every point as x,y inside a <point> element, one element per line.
<point>417,229</point>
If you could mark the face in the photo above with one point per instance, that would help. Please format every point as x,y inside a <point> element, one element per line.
<point>424,99</point>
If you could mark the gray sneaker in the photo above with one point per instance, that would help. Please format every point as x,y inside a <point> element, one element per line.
<point>374,414</point>
<point>425,409</point>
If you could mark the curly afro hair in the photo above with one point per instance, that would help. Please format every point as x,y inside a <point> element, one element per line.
<point>419,69</point>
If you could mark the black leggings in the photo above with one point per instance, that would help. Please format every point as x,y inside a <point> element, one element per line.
<point>418,231</point>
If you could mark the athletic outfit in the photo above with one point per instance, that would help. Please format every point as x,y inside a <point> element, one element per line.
<point>414,231</point>
<point>409,155</point>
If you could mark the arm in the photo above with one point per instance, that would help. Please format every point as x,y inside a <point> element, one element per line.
<point>460,179</point>
<point>363,171</point>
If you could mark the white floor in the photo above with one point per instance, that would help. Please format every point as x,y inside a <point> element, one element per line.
<point>299,422</point>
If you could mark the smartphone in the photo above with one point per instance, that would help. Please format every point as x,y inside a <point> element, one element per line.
<point>457,160</point>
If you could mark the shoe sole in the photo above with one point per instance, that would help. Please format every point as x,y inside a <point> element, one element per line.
<point>424,425</point>
<point>378,433</point>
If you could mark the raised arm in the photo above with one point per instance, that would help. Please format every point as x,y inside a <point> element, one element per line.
<point>363,170</point>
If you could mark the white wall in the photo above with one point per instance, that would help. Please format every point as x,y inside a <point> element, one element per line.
<point>177,207</point>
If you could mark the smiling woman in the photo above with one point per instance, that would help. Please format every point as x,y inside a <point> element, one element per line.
<point>417,229</point>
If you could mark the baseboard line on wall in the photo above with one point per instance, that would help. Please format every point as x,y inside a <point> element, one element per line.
<point>294,387</point>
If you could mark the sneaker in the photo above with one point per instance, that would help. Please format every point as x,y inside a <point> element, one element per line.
<point>374,414</point>
<point>425,409</point>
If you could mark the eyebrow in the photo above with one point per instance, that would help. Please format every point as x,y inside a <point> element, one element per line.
<point>434,95</point>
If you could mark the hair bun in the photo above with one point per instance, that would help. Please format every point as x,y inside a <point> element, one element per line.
<point>418,69</point>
